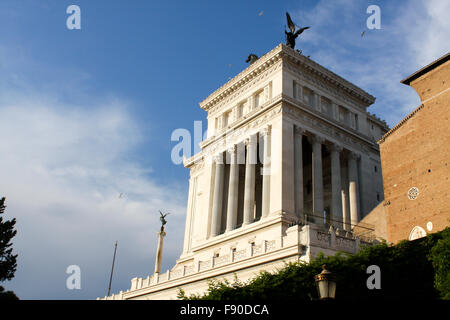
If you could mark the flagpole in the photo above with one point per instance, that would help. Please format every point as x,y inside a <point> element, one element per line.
<point>112,269</point>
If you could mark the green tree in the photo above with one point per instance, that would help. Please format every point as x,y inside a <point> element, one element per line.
<point>8,260</point>
<point>440,257</point>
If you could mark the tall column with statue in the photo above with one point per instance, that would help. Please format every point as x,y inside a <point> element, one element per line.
<point>161,235</point>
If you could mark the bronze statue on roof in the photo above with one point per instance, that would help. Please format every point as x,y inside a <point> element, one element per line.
<point>252,58</point>
<point>292,34</point>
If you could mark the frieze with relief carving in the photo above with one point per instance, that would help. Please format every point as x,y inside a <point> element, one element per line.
<point>323,238</point>
<point>346,243</point>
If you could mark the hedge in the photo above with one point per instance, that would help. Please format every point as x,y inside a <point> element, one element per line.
<point>416,269</point>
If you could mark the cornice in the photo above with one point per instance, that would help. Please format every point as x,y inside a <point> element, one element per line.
<point>245,76</point>
<point>409,116</point>
<point>241,91</point>
<point>382,123</point>
<point>266,61</point>
<point>195,159</point>
<point>329,76</point>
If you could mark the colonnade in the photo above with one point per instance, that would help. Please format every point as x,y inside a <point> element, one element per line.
<point>344,198</point>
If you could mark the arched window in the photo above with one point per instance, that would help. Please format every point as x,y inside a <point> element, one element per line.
<point>416,233</point>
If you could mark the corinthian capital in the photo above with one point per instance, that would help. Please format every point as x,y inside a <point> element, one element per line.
<point>316,139</point>
<point>299,130</point>
<point>250,141</point>
<point>334,147</point>
<point>218,158</point>
<point>265,131</point>
<point>232,150</point>
<point>354,155</point>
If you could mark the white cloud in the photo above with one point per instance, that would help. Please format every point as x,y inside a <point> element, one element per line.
<point>427,30</point>
<point>62,170</point>
<point>412,35</point>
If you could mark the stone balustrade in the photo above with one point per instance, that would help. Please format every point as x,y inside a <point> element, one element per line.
<point>311,235</point>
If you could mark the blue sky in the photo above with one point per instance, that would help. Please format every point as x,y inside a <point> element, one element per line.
<point>88,114</point>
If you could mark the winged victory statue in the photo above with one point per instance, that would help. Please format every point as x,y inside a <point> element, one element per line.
<point>291,35</point>
<point>163,220</point>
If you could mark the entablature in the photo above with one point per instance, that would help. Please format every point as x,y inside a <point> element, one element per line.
<point>282,52</point>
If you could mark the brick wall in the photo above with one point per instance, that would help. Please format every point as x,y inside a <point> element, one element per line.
<point>416,153</point>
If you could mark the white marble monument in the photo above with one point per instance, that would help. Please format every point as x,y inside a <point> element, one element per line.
<point>289,166</point>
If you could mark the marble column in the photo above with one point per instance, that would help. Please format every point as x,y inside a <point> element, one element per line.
<point>345,212</point>
<point>317,175</point>
<point>159,250</point>
<point>192,197</point>
<point>249,193</point>
<point>218,196</point>
<point>344,196</point>
<point>298,171</point>
<point>233,189</point>
<point>353,187</point>
<point>336,185</point>
<point>265,133</point>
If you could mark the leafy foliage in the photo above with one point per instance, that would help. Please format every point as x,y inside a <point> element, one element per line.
<point>411,269</point>
<point>440,257</point>
<point>8,264</point>
<point>7,295</point>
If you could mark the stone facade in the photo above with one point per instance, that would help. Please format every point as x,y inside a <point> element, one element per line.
<point>289,166</point>
<point>415,158</point>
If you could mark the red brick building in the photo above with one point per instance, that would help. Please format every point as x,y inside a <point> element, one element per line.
<point>415,159</point>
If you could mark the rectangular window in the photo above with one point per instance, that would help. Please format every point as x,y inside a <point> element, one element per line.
<point>240,112</point>
<point>294,90</point>
<point>297,90</point>
<point>341,114</point>
<point>226,119</point>
<point>241,109</point>
<point>268,92</point>
<point>326,106</point>
<point>344,115</point>
<point>259,99</point>
<point>246,107</point>
<point>308,96</point>
<point>356,122</point>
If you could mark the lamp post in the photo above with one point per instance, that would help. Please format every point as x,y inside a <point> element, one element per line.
<point>326,284</point>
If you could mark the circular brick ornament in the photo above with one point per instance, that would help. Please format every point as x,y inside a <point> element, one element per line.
<point>413,193</point>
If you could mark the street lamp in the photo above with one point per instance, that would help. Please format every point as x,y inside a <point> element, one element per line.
<point>326,284</point>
